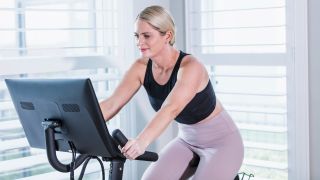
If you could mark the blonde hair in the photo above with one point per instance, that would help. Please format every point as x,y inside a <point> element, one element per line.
<point>160,19</point>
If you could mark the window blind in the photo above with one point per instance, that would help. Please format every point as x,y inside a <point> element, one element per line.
<point>232,26</point>
<point>53,39</point>
<point>244,47</point>
<point>44,28</point>
<point>258,104</point>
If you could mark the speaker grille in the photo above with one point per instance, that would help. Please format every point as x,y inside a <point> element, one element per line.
<point>70,107</point>
<point>27,105</point>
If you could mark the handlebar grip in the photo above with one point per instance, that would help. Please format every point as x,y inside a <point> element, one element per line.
<point>148,156</point>
<point>121,139</point>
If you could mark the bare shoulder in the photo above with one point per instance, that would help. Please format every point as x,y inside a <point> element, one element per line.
<point>138,69</point>
<point>140,62</point>
<point>138,65</point>
<point>191,63</point>
<point>194,72</point>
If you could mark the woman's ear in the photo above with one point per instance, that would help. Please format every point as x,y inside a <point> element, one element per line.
<point>168,36</point>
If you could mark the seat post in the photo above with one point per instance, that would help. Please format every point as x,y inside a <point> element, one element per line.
<point>116,168</point>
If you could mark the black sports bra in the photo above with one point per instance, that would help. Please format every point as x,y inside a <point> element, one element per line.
<point>200,107</point>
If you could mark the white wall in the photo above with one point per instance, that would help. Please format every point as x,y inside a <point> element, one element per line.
<point>177,9</point>
<point>314,86</point>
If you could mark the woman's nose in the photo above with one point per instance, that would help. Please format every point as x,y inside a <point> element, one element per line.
<point>139,41</point>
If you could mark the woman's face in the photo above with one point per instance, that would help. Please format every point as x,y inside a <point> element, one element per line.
<point>149,41</point>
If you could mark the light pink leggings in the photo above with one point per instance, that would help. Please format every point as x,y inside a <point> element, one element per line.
<point>218,144</point>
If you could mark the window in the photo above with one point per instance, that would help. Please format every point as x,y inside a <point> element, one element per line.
<point>256,98</point>
<point>242,26</point>
<point>54,39</point>
<point>37,28</point>
<point>244,46</point>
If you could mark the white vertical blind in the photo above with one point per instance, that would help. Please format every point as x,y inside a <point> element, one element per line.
<point>233,27</point>
<point>53,39</point>
<point>243,44</point>
<point>256,98</point>
<point>44,28</point>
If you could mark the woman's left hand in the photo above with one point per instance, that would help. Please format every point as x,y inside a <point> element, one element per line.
<point>133,149</point>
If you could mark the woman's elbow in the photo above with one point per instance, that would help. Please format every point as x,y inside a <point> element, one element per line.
<point>172,110</point>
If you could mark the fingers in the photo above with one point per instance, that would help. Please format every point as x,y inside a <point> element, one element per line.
<point>129,150</point>
<point>132,150</point>
<point>127,146</point>
<point>132,154</point>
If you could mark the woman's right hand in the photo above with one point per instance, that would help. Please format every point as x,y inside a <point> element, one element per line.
<point>133,149</point>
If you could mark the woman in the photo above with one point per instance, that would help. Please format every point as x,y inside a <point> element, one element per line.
<point>179,89</point>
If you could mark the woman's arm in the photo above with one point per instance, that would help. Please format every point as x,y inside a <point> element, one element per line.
<point>192,77</point>
<point>128,86</point>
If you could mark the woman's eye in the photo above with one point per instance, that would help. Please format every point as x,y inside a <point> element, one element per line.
<point>146,36</point>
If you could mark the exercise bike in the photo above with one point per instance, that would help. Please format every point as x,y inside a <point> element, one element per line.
<point>64,115</point>
<point>116,162</point>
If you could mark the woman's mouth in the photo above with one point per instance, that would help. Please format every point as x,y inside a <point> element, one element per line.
<point>143,49</point>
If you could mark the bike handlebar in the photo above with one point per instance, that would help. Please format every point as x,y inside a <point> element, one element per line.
<point>121,139</point>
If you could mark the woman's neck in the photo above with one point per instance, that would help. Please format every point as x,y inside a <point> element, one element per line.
<point>166,59</point>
